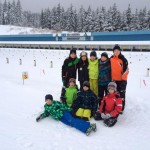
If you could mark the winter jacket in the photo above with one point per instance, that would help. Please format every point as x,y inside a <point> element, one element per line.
<point>85,100</point>
<point>69,68</point>
<point>71,95</point>
<point>111,104</point>
<point>68,95</point>
<point>119,68</point>
<point>104,76</point>
<point>55,110</point>
<point>93,69</point>
<point>83,71</point>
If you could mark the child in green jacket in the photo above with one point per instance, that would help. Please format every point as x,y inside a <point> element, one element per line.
<point>69,94</point>
<point>60,111</point>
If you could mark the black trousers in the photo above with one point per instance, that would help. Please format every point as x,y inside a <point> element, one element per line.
<point>102,91</point>
<point>121,88</point>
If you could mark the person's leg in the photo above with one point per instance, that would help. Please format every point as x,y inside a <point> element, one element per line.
<point>81,85</point>
<point>91,85</point>
<point>95,86</point>
<point>75,122</point>
<point>100,93</point>
<point>105,90</point>
<point>121,87</point>
<point>97,116</point>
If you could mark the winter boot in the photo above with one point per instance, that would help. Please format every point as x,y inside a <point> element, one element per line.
<point>110,122</point>
<point>93,126</point>
<point>89,130</point>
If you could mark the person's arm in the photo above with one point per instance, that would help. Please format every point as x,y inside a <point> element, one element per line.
<point>102,105</point>
<point>125,71</point>
<point>64,66</point>
<point>118,108</point>
<point>42,116</point>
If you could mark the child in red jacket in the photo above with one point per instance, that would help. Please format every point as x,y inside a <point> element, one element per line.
<point>111,106</point>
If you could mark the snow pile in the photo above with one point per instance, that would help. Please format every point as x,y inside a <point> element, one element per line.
<point>21,104</point>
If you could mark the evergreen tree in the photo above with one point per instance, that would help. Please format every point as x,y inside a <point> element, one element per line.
<point>18,13</point>
<point>81,19</point>
<point>1,13</point>
<point>129,18</point>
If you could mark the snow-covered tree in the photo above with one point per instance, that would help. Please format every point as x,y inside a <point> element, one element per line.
<point>1,13</point>
<point>18,13</point>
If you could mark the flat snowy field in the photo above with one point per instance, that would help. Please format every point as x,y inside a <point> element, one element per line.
<point>21,104</point>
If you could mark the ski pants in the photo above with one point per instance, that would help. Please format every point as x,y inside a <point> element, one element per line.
<point>94,86</point>
<point>79,124</point>
<point>121,88</point>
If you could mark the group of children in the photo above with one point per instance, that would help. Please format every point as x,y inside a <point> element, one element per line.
<point>98,96</point>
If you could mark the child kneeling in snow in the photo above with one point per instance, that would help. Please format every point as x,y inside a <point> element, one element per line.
<point>62,112</point>
<point>85,106</point>
<point>110,107</point>
<point>69,94</point>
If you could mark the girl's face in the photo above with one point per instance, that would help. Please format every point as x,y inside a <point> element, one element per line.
<point>73,55</point>
<point>116,52</point>
<point>71,84</point>
<point>83,58</point>
<point>85,88</point>
<point>92,58</point>
<point>111,91</point>
<point>103,58</point>
<point>48,101</point>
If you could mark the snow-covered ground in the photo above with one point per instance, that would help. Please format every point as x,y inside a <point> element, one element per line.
<point>11,30</point>
<point>21,104</point>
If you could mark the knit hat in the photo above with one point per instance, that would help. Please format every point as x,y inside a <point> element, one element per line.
<point>105,55</point>
<point>93,53</point>
<point>73,51</point>
<point>86,83</point>
<point>72,80</point>
<point>117,47</point>
<point>83,53</point>
<point>49,96</point>
<point>113,86</point>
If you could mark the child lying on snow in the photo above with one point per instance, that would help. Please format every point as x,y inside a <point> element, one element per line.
<point>62,112</point>
<point>110,107</point>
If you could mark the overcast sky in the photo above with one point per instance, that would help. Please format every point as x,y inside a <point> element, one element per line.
<point>37,5</point>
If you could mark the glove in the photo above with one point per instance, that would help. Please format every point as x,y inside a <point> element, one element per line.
<point>107,116</point>
<point>39,118</point>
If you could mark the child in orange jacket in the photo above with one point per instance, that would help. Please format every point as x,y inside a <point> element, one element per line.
<point>111,106</point>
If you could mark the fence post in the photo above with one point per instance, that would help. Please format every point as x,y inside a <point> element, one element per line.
<point>148,72</point>
<point>7,60</point>
<point>51,64</point>
<point>20,62</point>
<point>35,63</point>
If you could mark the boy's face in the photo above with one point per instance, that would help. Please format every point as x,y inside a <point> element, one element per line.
<point>48,101</point>
<point>111,91</point>
<point>92,58</point>
<point>85,88</point>
<point>116,52</point>
<point>73,55</point>
<point>83,58</point>
<point>71,84</point>
<point>103,58</point>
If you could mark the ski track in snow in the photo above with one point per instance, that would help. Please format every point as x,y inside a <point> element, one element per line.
<point>21,104</point>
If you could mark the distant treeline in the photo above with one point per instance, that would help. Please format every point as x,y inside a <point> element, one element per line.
<point>77,20</point>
